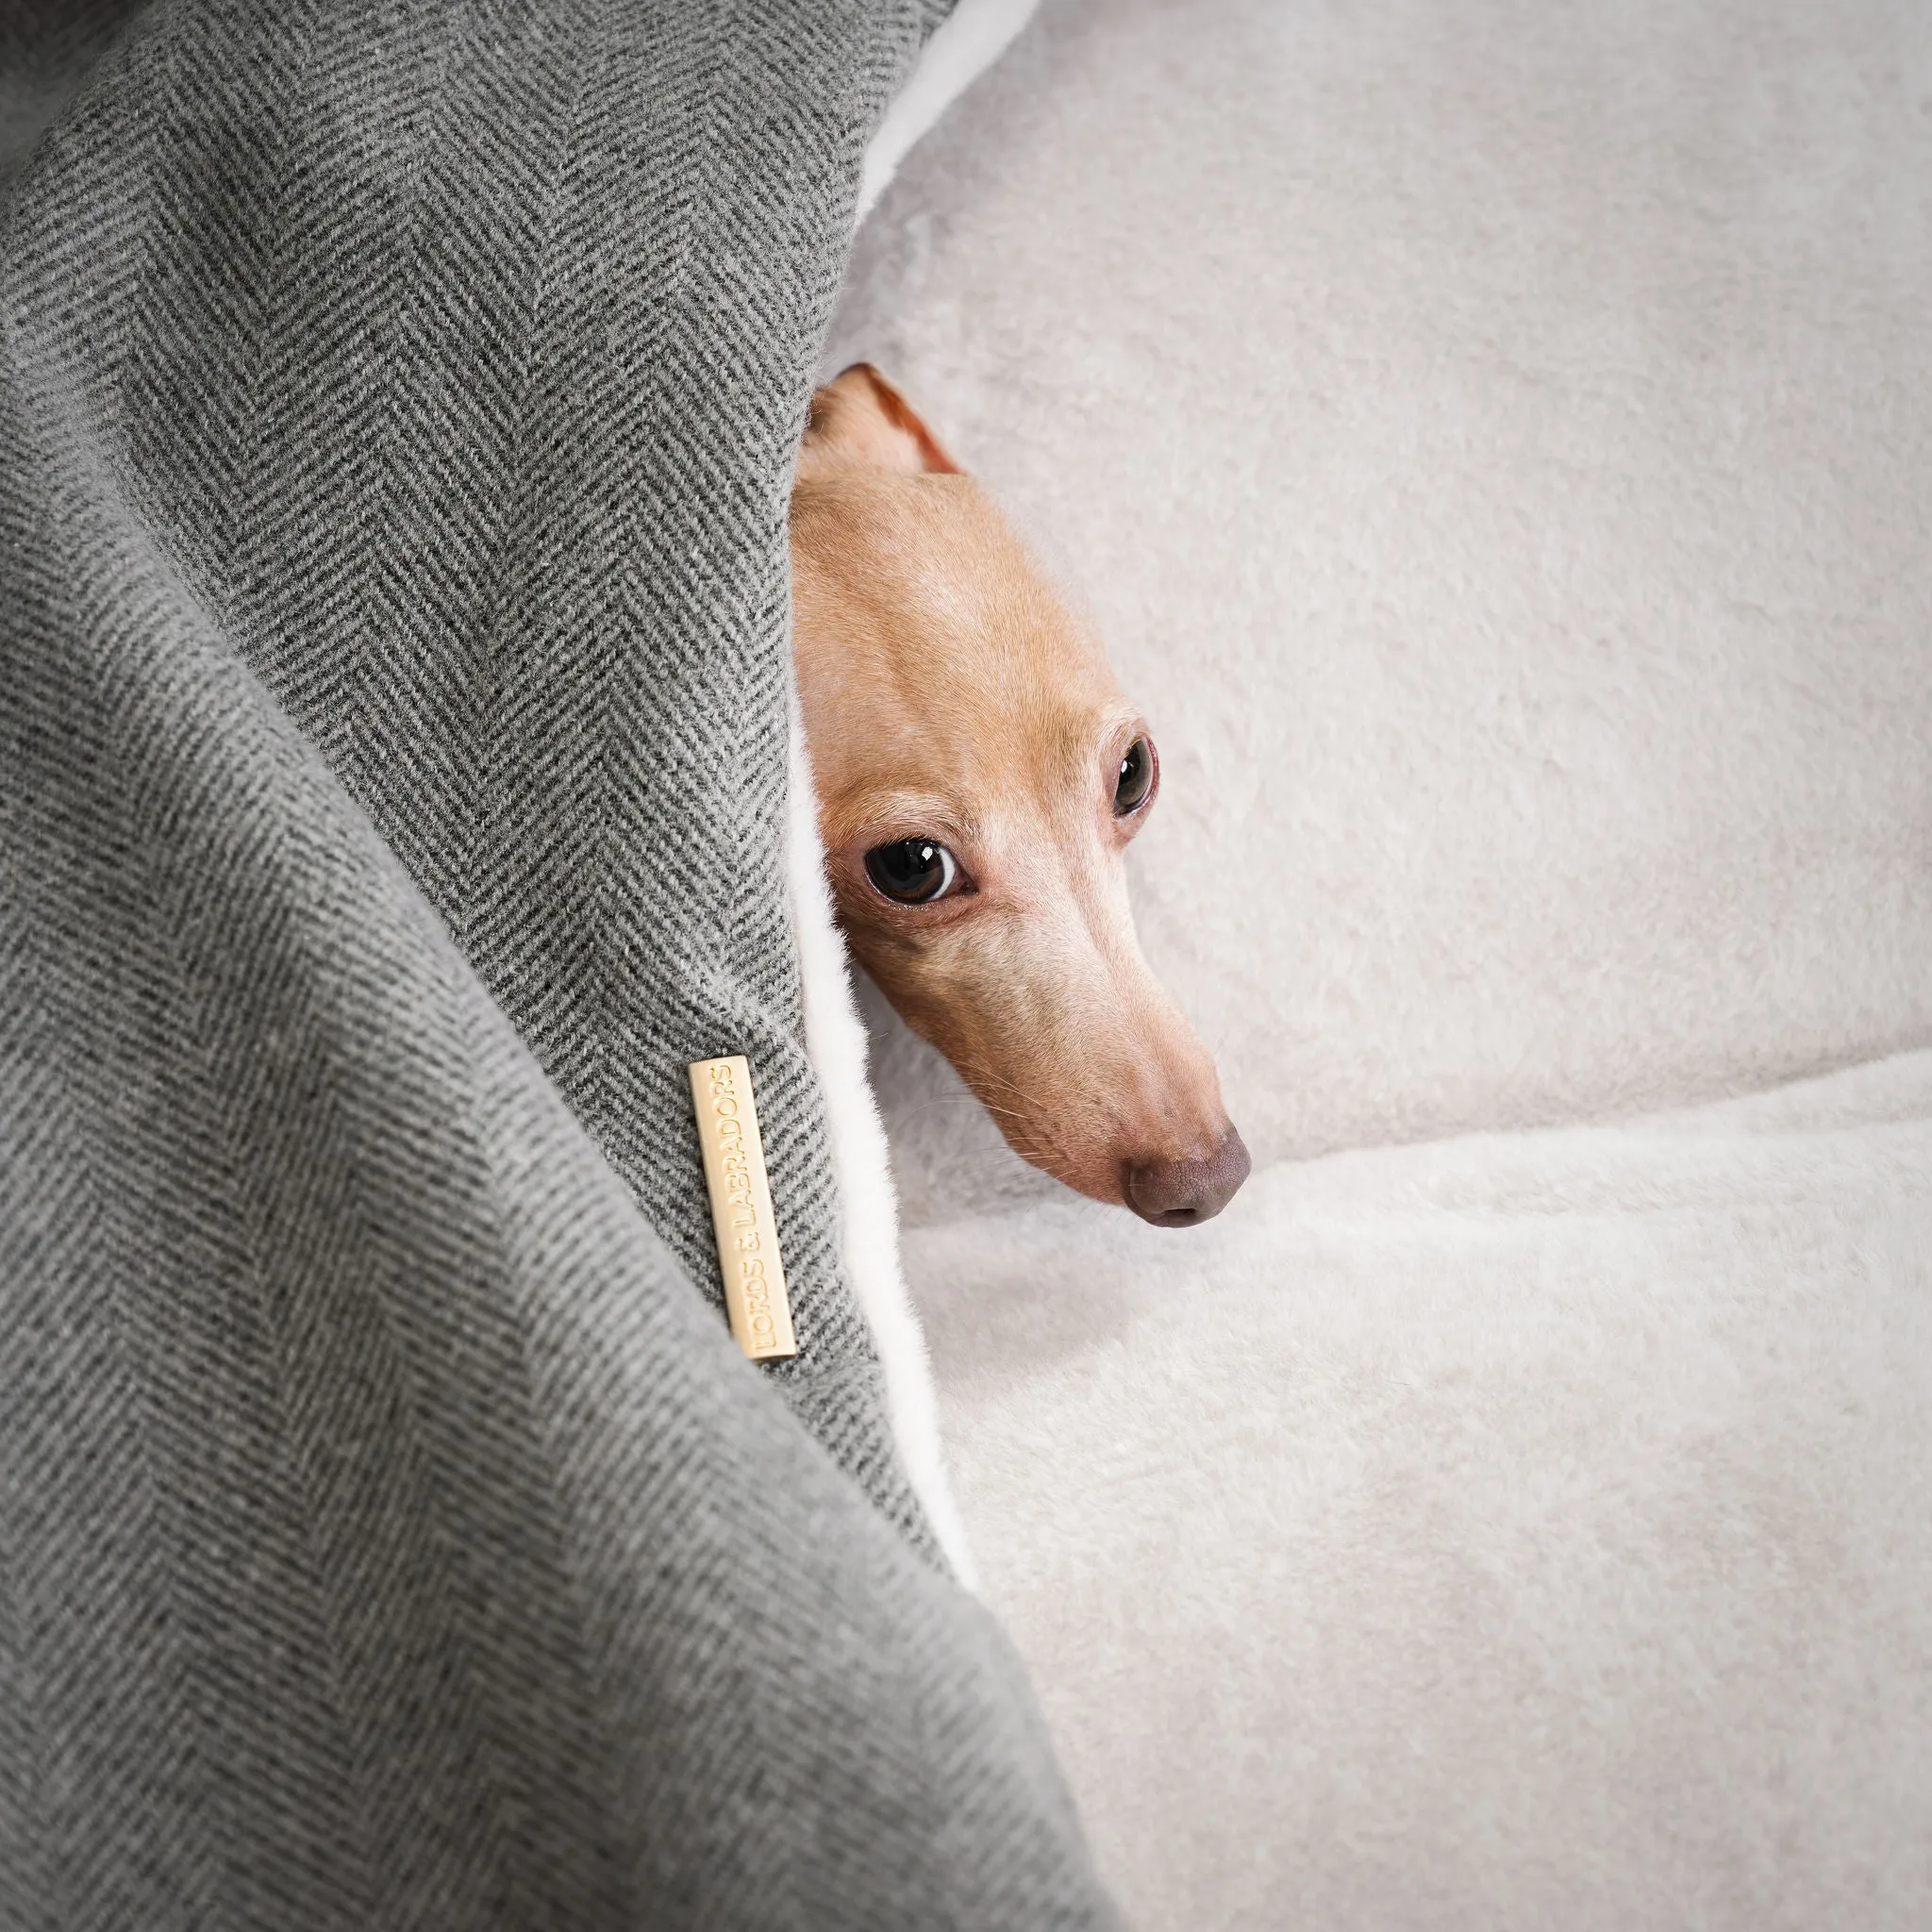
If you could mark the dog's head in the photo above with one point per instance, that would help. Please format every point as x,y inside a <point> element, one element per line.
<point>980,776</point>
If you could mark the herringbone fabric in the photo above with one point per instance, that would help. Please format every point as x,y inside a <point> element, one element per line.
<point>395,427</point>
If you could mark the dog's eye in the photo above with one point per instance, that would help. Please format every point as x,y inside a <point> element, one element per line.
<point>914,872</point>
<point>1135,779</point>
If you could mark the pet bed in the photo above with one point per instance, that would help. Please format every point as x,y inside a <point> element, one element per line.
<point>1495,442</point>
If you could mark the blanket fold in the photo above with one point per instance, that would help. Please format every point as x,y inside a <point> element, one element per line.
<point>396,418</point>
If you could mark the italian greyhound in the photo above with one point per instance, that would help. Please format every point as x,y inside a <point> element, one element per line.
<point>979,777</point>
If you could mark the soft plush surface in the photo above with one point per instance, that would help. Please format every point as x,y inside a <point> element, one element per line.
<point>1497,441</point>
<point>1518,1531</point>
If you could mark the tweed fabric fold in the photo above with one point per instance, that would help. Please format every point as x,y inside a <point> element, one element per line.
<point>395,426</point>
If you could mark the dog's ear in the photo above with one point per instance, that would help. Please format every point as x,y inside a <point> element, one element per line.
<point>861,421</point>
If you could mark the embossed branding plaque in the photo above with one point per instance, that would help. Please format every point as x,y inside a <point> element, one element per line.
<point>741,1206</point>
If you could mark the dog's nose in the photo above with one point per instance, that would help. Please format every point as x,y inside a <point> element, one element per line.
<point>1177,1193</point>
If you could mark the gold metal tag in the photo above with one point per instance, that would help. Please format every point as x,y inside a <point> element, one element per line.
<point>741,1206</point>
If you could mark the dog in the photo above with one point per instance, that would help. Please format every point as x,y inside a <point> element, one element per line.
<point>979,777</point>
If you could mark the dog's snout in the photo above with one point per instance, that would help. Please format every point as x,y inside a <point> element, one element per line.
<point>1177,1193</point>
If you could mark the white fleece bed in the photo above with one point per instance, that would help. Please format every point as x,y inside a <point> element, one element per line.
<point>1496,442</point>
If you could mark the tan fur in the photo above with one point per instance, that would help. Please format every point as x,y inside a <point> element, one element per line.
<point>948,692</point>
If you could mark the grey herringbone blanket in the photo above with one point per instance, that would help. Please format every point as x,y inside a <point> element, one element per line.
<point>396,418</point>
